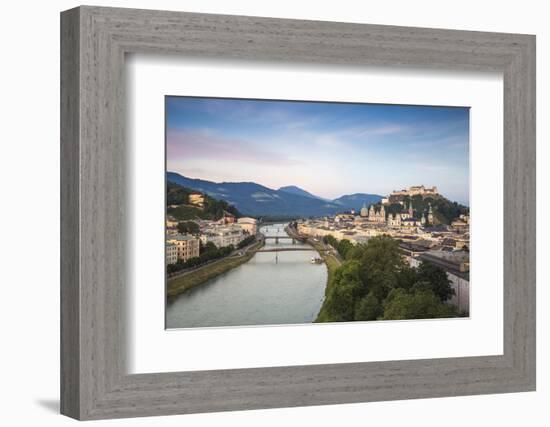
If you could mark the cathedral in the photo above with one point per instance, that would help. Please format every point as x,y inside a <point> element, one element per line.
<point>373,216</point>
<point>397,220</point>
<point>379,216</point>
<point>407,219</point>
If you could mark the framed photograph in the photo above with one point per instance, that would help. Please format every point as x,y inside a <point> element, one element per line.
<point>243,248</point>
<point>262,213</point>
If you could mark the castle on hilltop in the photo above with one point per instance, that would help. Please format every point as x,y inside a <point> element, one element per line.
<point>415,190</point>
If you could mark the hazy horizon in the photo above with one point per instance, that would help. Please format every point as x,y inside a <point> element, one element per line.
<point>327,149</point>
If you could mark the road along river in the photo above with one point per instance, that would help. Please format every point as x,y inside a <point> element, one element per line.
<point>272,288</point>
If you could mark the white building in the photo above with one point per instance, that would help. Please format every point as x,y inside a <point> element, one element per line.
<point>359,239</point>
<point>187,246</point>
<point>394,220</point>
<point>250,225</point>
<point>411,222</point>
<point>456,264</point>
<point>223,235</point>
<point>171,226</point>
<point>171,253</point>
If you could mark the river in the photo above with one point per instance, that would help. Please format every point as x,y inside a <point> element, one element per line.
<point>272,288</point>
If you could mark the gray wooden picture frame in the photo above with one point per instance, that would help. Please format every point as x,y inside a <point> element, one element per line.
<point>94,41</point>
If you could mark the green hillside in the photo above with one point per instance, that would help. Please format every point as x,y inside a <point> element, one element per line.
<point>177,202</point>
<point>444,210</point>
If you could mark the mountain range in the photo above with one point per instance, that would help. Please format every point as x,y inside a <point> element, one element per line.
<point>254,199</point>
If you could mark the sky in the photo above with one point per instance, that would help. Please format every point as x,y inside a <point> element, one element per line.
<point>329,149</point>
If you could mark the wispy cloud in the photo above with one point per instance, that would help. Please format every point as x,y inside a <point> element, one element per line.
<point>327,148</point>
<point>386,129</point>
<point>182,144</point>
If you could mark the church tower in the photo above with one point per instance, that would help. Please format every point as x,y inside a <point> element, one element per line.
<point>411,213</point>
<point>430,215</point>
<point>364,211</point>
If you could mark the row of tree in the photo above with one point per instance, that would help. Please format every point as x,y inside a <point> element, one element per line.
<point>374,282</point>
<point>246,241</point>
<point>342,246</point>
<point>207,252</point>
<point>188,227</point>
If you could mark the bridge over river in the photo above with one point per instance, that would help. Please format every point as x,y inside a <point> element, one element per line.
<point>291,249</point>
<point>277,238</point>
<point>295,239</point>
<point>282,286</point>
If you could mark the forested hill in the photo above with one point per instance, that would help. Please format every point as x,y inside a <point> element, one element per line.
<point>444,210</point>
<point>177,201</point>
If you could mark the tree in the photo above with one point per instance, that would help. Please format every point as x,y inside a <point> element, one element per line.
<point>246,241</point>
<point>355,252</point>
<point>369,308</point>
<point>346,287</point>
<point>212,209</point>
<point>375,282</point>
<point>330,240</point>
<point>208,247</point>
<point>381,263</point>
<point>343,247</point>
<point>383,253</point>
<point>394,208</point>
<point>416,304</point>
<point>176,194</point>
<point>407,277</point>
<point>437,279</point>
<point>190,227</point>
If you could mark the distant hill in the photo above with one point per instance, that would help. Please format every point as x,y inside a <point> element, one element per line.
<point>292,189</point>
<point>357,200</point>
<point>257,200</point>
<point>249,198</point>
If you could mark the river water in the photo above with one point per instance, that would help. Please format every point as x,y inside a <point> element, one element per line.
<point>270,289</point>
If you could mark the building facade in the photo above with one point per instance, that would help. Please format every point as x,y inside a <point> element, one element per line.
<point>249,225</point>
<point>377,216</point>
<point>171,226</point>
<point>171,253</point>
<point>394,220</point>
<point>223,235</point>
<point>187,246</point>
<point>196,199</point>
<point>415,190</point>
<point>456,265</point>
<point>227,218</point>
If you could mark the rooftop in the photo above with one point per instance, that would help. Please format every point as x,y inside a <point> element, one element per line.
<point>452,262</point>
<point>181,237</point>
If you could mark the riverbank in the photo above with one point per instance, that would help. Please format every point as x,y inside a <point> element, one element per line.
<point>332,264</point>
<point>178,285</point>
